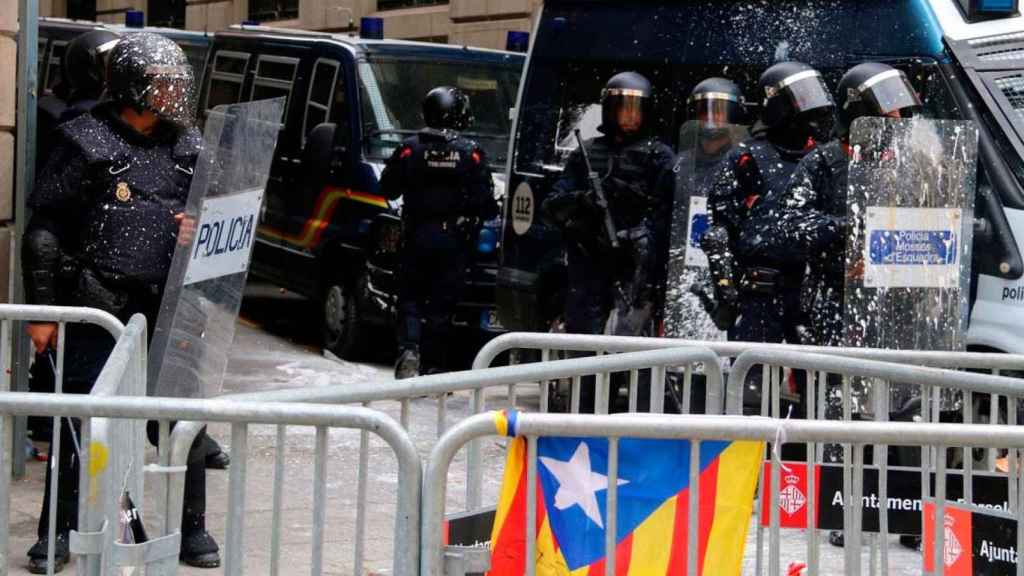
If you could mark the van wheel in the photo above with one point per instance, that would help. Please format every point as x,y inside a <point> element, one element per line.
<point>342,321</point>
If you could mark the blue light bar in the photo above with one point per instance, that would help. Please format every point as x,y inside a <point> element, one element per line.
<point>135,19</point>
<point>517,41</point>
<point>371,28</point>
<point>976,10</point>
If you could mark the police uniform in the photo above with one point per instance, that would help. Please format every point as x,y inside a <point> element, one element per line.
<point>744,199</point>
<point>638,183</point>
<point>102,235</point>
<point>447,192</point>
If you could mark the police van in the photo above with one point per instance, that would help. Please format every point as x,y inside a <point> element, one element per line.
<point>326,232</point>
<point>56,33</point>
<point>964,57</point>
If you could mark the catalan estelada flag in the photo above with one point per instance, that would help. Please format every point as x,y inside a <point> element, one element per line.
<point>653,506</point>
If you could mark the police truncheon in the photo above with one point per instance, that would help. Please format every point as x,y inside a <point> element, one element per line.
<point>685,314</point>
<point>908,256</point>
<point>196,325</point>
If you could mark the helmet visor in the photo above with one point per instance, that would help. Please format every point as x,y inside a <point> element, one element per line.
<point>716,109</point>
<point>171,93</point>
<point>625,111</point>
<point>805,91</point>
<point>889,92</point>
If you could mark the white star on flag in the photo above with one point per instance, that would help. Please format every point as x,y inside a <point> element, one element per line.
<point>578,484</point>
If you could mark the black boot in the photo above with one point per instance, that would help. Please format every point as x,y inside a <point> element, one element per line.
<point>198,548</point>
<point>912,542</point>
<point>37,555</point>
<point>408,365</point>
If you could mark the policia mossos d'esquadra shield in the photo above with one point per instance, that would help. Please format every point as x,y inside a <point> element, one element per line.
<point>910,202</point>
<point>700,151</point>
<point>196,325</point>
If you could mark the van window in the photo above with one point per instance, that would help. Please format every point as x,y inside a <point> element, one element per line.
<point>322,90</point>
<point>392,90</point>
<point>274,78</point>
<point>226,78</point>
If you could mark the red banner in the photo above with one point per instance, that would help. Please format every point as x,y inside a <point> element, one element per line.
<point>793,499</point>
<point>957,544</point>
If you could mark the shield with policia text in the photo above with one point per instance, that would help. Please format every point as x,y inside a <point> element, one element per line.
<point>196,325</point>
<point>700,151</point>
<point>911,208</point>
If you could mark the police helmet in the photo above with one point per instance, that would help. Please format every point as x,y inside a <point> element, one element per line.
<point>85,62</point>
<point>150,72</point>
<point>716,104</point>
<point>447,107</point>
<point>790,89</point>
<point>624,96</point>
<point>874,89</point>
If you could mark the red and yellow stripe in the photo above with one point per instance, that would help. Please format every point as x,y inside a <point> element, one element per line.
<point>323,211</point>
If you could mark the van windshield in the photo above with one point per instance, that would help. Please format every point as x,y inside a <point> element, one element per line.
<point>393,89</point>
<point>580,44</point>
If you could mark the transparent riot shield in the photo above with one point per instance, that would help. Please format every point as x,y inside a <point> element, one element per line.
<point>686,313</point>
<point>911,207</point>
<point>196,325</point>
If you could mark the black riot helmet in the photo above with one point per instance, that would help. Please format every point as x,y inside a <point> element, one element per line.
<point>150,72</point>
<point>447,108</point>
<point>716,104</point>
<point>623,104</point>
<point>874,89</point>
<point>790,89</point>
<point>85,63</point>
<point>797,107</point>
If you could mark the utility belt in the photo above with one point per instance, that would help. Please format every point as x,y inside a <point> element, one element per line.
<point>763,281</point>
<point>83,285</point>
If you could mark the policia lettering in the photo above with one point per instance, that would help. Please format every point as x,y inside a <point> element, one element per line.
<point>228,235</point>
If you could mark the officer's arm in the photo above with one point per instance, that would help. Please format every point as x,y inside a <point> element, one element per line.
<point>56,197</point>
<point>392,179</point>
<point>563,200</point>
<point>722,188</point>
<point>802,227</point>
<point>484,206</point>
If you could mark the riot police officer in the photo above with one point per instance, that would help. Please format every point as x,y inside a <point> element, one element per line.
<point>635,171</point>
<point>615,283</point>
<point>811,227</point>
<point>447,192</point>
<point>716,110</point>
<point>796,113</point>
<point>106,212</point>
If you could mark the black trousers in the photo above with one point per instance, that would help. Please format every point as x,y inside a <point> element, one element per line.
<point>433,270</point>
<point>87,349</point>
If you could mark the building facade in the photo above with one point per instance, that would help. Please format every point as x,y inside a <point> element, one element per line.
<point>483,23</point>
<point>8,97</point>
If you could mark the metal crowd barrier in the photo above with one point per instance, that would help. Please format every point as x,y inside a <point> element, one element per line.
<point>404,392</point>
<point>117,445</point>
<point>931,383</point>
<point>240,415</point>
<point>549,345</point>
<point>698,429</point>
